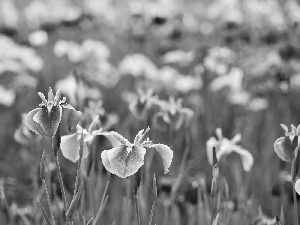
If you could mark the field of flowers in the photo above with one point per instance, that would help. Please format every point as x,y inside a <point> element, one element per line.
<point>162,112</point>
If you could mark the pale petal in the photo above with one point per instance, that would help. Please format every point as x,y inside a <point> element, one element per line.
<point>246,156</point>
<point>33,125</point>
<point>166,154</point>
<point>70,145</point>
<point>120,138</point>
<point>210,144</point>
<point>48,121</point>
<point>105,161</point>
<point>236,139</point>
<point>126,164</point>
<point>72,115</point>
<point>297,186</point>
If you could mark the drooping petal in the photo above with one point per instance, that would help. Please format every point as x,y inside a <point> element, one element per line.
<point>210,144</point>
<point>70,145</point>
<point>297,186</point>
<point>125,162</point>
<point>33,125</point>
<point>285,148</point>
<point>246,156</point>
<point>105,161</point>
<point>48,121</point>
<point>72,115</point>
<point>166,154</point>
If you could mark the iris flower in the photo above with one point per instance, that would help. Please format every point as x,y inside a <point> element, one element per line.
<point>225,146</point>
<point>286,147</point>
<point>46,119</point>
<point>70,144</point>
<point>126,159</point>
<point>172,114</point>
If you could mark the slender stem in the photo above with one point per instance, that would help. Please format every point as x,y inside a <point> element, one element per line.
<point>48,201</point>
<point>135,196</point>
<point>61,183</point>
<point>103,201</point>
<point>294,196</point>
<point>152,211</point>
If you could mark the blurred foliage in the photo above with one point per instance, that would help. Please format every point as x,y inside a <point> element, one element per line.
<point>234,65</point>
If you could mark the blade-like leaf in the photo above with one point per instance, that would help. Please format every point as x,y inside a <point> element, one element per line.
<point>46,218</point>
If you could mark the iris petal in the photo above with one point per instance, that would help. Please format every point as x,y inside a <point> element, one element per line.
<point>33,125</point>
<point>126,163</point>
<point>48,121</point>
<point>105,161</point>
<point>72,115</point>
<point>166,154</point>
<point>247,158</point>
<point>70,145</point>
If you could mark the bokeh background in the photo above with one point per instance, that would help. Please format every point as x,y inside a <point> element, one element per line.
<point>234,63</point>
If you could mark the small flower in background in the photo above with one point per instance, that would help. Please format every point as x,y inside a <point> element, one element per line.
<point>38,38</point>
<point>286,147</point>
<point>126,159</point>
<point>46,119</point>
<point>138,65</point>
<point>23,135</point>
<point>7,96</point>
<point>172,114</point>
<point>142,103</point>
<point>178,57</point>
<point>297,186</point>
<point>225,146</point>
<point>76,90</point>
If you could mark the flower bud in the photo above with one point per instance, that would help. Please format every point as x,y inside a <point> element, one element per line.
<point>285,148</point>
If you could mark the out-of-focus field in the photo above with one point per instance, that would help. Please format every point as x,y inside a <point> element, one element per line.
<point>235,64</point>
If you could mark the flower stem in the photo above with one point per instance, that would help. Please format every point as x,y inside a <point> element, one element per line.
<point>61,183</point>
<point>135,196</point>
<point>56,146</point>
<point>48,201</point>
<point>294,196</point>
<point>103,200</point>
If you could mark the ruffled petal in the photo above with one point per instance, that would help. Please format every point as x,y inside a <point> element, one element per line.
<point>33,125</point>
<point>126,163</point>
<point>49,122</point>
<point>72,115</point>
<point>105,161</point>
<point>247,158</point>
<point>70,145</point>
<point>166,154</point>
<point>117,157</point>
